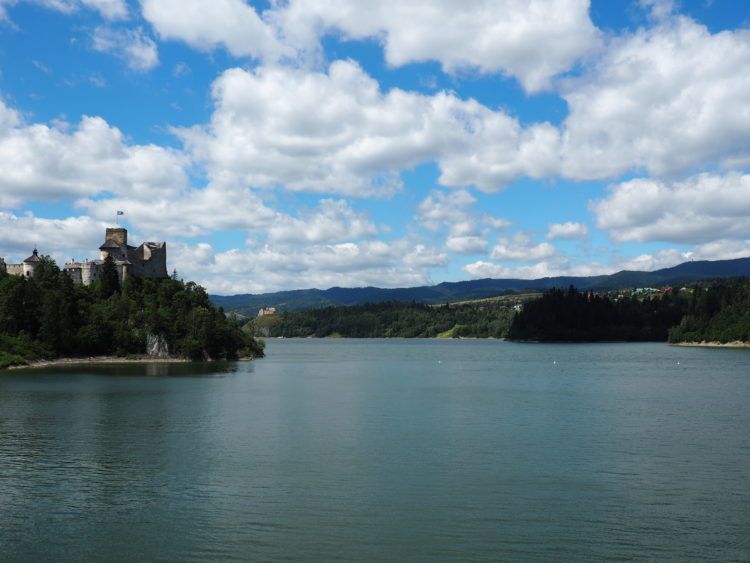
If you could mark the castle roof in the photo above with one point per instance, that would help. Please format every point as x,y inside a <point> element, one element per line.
<point>109,243</point>
<point>33,258</point>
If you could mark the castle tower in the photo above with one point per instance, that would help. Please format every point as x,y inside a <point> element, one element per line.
<point>29,265</point>
<point>118,234</point>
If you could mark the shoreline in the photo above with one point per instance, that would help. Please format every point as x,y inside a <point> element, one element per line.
<point>712,344</point>
<point>103,360</point>
<point>96,360</point>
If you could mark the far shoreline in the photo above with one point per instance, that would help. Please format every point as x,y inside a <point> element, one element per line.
<point>712,344</point>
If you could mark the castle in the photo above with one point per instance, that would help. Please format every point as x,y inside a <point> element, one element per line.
<point>149,260</point>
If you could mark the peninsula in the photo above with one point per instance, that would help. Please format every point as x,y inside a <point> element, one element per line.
<point>122,305</point>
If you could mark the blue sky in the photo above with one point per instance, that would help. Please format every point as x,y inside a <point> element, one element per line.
<point>280,145</point>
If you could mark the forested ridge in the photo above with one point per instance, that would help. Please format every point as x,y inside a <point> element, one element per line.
<point>571,315</point>
<point>712,311</point>
<point>47,316</point>
<point>392,319</point>
<point>720,313</point>
<point>709,312</point>
<point>687,273</point>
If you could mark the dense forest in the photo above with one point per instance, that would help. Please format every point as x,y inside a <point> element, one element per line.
<point>720,313</point>
<point>583,316</point>
<point>483,319</point>
<point>46,316</point>
<point>707,312</point>
<point>713,311</point>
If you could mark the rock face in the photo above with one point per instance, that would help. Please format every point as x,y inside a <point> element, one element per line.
<point>156,346</point>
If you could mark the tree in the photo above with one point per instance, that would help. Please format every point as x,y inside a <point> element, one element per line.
<point>110,280</point>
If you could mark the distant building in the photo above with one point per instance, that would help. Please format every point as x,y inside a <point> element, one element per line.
<point>267,311</point>
<point>149,260</point>
<point>25,268</point>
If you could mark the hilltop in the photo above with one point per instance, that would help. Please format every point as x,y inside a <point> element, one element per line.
<point>302,299</point>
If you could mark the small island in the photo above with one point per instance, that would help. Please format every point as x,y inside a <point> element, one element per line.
<point>122,306</point>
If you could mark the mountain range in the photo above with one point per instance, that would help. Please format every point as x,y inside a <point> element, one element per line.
<point>295,300</point>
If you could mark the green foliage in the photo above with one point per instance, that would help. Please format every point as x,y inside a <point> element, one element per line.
<point>717,313</point>
<point>570,316</point>
<point>47,316</point>
<point>109,282</point>
<point>392,319</point>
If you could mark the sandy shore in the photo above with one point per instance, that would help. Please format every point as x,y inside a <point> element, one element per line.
<point>98,360</point>
<point>704,344</point>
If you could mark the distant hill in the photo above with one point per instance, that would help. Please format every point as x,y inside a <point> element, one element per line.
<point>300,299</point>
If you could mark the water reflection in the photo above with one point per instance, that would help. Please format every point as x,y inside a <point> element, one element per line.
<point>145,369</point>
<point>382,450</point>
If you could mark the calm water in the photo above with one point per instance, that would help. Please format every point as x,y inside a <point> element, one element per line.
<point>400,449</point>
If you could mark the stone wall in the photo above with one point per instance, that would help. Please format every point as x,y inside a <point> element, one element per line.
<point>14,269</point>
<point>119,235</point>
<point>75,275</point>
<point>149,260</point>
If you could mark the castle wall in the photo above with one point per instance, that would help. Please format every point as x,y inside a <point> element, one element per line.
<point>149,260</point>
<point>14,269</point>
<point>75,275</point>
<point>89,272</point>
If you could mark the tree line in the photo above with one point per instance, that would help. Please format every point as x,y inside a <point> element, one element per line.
<point>47,316</point>
<point>571,315</point>
<point>712,312</point>
<point>389,320</point>
<point>708,311</point>
<point>720,313</point>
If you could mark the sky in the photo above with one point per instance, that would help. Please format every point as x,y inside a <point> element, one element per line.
<point>315,143</point>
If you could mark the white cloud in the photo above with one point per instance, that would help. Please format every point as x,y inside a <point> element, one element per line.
<point>449,211</point>
<point>231,24</point>
<point>699,209</point>
<point>131,45</point>
<point>336,132</point>
<point>497,222</point>
<point>270,267</point>
<point>649,262</point>
<point>109,9</point>
<point>668,99</point>
<point>722,250</point>
<point>482,269</point>
<point>658,10</point>
<point>331,221</point>
<point>47,162</point>
<point>567,230</point>
<point>19,234</point>
<point>491,36</point>
<point>520,247</point>
<point>190,213</point>
<point>422,256</point>
<point>466,245</point>
<point>562,266</point>
<point>453,213</point>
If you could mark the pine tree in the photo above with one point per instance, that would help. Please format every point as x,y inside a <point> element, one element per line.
<point>110,280</point>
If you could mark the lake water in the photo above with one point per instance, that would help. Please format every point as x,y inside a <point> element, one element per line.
<point>386,450</point>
